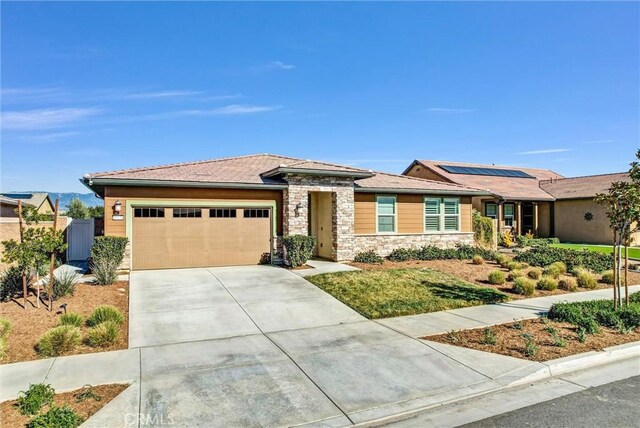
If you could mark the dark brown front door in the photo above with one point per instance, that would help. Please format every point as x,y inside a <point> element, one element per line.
<point>527,218</point>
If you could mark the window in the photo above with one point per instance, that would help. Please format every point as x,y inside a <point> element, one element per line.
<point>148,212</point>
<point>508,214</point>
<point>432,214</point>
<point>491,210</point>
<point>256,213</point>
<point>441,214</point>
<point>386,209</point>
<point>222,213</point>
<point>187,212</point>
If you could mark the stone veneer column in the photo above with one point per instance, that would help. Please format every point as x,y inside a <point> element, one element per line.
<point>342,218</point>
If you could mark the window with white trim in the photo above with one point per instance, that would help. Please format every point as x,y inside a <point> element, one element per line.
<point>386,211</point>
<point>441,214</point>
<point>509,210</point>
<point>491,210</point>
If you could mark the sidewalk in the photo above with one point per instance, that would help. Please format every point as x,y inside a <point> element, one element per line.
<point>486,315</point>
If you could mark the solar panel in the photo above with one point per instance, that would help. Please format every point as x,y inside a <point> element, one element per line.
<point>495,172</point>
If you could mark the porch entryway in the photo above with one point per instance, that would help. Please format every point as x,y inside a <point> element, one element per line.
<point>321,223</point>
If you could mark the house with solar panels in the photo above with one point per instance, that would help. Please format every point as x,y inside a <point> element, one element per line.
<point>539,201</point>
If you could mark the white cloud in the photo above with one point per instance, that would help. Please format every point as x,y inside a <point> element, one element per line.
<point>45,118</point>
<point>544,151</point>
<point>31,94</point>
<point>158,94</point>
<point>272,66</point>
<point>87,152</point>
<point>47,138</point>
<point>451,110</point>
<point>233,109</point>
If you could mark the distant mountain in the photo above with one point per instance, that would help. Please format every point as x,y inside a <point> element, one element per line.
<point>89,199</point>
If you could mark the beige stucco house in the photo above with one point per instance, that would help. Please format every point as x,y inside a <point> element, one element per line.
<point>235,210</point>
<point>534,200</point>
<point>40,200</point>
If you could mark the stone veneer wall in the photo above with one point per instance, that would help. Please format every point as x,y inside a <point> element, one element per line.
<point>384,244</point>
<point>342,210</point>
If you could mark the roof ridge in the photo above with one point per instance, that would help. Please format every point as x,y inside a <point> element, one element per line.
<point>583,176</point>
<point>329,164</point>
<point>427,180</point>
<point>171,165</point>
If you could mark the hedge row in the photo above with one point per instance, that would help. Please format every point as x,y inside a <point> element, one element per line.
<point>544,256</point>
<point>430,252</point>
<point>523,241</point>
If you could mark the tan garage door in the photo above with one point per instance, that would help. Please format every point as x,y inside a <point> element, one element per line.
<point>199,237</point>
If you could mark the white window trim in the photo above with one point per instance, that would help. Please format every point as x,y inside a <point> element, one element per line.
<point>424,215</point>
<point>441,216</point>
<point>395,214</point>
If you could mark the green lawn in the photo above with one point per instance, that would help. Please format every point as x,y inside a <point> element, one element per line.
<point>634,253</point>
<point>397,292</point>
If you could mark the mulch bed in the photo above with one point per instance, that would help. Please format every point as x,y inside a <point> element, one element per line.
<point>11,417</point>
<point>478,274</point>
<point>509,340</point>
<point>28,325</point>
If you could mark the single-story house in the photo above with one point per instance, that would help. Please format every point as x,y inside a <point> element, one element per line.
<point>534,200</point>
<point>234,211</point>
<point>8,207</point>
<point>40,200</point>
<point>576,217</point>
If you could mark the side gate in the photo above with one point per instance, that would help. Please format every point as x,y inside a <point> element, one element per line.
<point>80,239</point>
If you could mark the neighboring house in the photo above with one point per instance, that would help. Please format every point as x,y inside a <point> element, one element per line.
<point>40,200</point>
<point>8,207</point>
<point>234,211</point>
<point>517,201</point>
<point>577,218</point>
<point>533,200</point>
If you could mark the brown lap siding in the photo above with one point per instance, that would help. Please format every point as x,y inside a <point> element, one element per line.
<point>410,212</point>
<point>113,193</point>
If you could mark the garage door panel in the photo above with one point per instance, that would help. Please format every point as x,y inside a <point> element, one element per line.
<point>174,242</point>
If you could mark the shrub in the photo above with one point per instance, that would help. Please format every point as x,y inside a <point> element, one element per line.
<point>402,255</point>
<point>103,334</point>
<point>105,271</point>
<point>3,347</point>
<point>477,260</point>
<point>561,266</point>
<point>496,277</point>
<point>489,336</point>
<point>64,283</point>
<point>516,265</point>
<point>501,258</point>
<point>109,248</point>
<point>56,417</point>
<point>586,279</point>
<point>535,273</point>
<point>594,313</point>
<point>368,257</point>
<point>11,283</point>
<point>607,277</point>
<point>5,328</point>
<point>59,340</point>
<point>529,241</point>
<point>38,395</point>
<point>530,347</point>
<point>105,313</point>
<point>506,239</point>
<point>482,229</point>
<point>515,274</point>
<point>299,249</point>
<point>71,318</point>
<point>544,256</point>
<point>524,286</point>
<point>568,284</point>
<point>547,283</point>
<point>552,271</point>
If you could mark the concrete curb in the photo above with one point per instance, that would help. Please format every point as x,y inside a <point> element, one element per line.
<point>550,370</point>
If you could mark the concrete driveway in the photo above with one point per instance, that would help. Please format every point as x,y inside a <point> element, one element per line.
<point>260,346</point>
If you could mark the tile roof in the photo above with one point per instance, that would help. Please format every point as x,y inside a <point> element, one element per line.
<point>5,200</point>
<point>507,187</point>
<point>253,170</point>
<point>582,187</point>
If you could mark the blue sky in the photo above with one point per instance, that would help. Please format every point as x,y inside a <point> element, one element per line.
<point>101,86</point>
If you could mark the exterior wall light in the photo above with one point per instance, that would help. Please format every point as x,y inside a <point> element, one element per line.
<point>117,207</point>
<point>298,209</point>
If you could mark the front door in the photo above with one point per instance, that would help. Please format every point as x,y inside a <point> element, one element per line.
<point>527,218</point>
<point>320,223</point>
